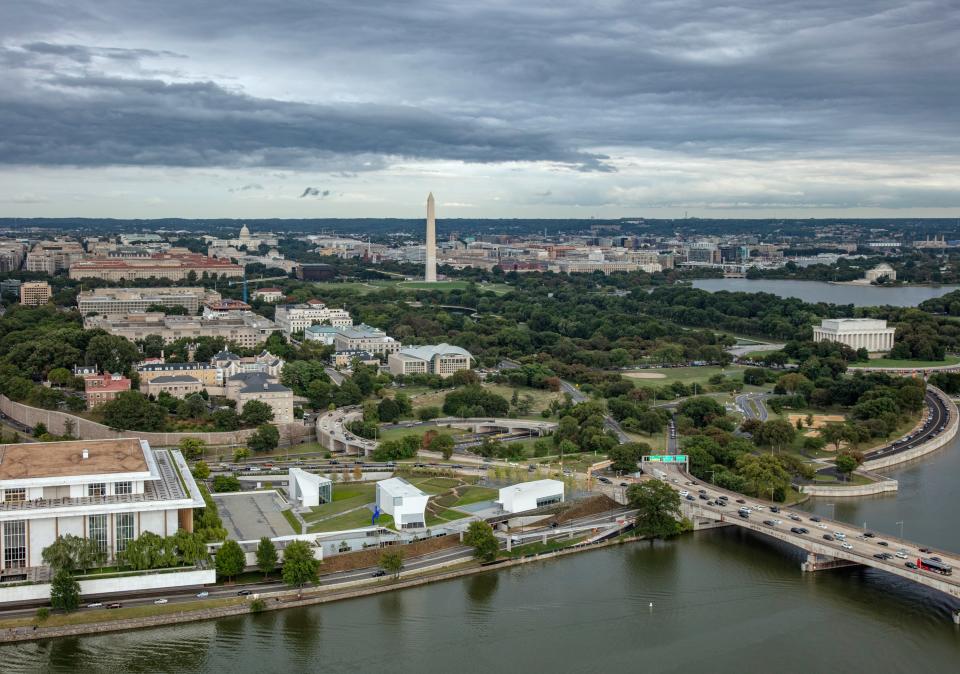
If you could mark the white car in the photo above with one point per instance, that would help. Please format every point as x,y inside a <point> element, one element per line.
<point>839,536</point>
<point>203,595</point>
<point>821,526</point>
<point>684,493</point>
<point>160,601</point>
<point>96,604</point>
<point>778,522</point>
<point>846,546</point>
<point>758,507</point>
<point>901,555</point>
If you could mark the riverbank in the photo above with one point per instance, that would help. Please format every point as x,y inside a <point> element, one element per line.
<point>28,629</point>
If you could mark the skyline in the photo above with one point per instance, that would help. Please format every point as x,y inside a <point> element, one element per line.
<point>289,110</point>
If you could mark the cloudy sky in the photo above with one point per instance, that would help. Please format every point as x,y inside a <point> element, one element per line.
<point>503,108</point>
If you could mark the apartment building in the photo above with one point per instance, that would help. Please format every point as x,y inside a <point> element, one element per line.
<point>34,293</point>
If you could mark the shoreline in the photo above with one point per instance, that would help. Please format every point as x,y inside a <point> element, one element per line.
<point>284,599</point>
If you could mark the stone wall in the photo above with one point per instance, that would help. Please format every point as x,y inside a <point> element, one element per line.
<point>111,586</point>
<point>881,486</point>
<point>85,429</point>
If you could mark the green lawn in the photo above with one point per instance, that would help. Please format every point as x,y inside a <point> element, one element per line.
<point>685,375</point>
<point>469,495</point>
<point>292,520</point>
<point>345,497</point>
<point>541,397</point>
<point>855,479</point>
<point>538,547</point>
<point>434,485</point>
<point>443,515</point>
<point>351,520</point>
<point>397,433</point>
<point>891,362</point>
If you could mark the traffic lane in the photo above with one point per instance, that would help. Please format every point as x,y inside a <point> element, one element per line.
<point>852,534</point>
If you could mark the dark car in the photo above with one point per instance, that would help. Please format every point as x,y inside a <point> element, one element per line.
<point>910,565</point>
<point>774,509</point>
<point>740,500</point>
<point>701,491</point>
<point>724,497</point>
<point>827,537</point>
<point>868,534</point>
<point>883,543</point>
<point>378,573</point>
<point>720,504</point>
<point>689,497</point>
<point>814,519</point>
<point>704,497</point>
<point>770,523</point>
<point>924,550</point>
<point>879,556</point>
<point>243,593</point>
<point>797,530</point>
<point>744,515</point>
<point>624,484</point>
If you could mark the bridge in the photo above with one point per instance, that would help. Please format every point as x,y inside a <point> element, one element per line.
<point>852,547</point>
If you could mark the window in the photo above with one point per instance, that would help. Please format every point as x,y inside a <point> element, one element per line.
<point>548,500</point>
<point>14,495</point>
<point>124,530</point>
<point>15,544</point>
<point>97,489</point>
<point>97,530</point>
<point>121,488</point>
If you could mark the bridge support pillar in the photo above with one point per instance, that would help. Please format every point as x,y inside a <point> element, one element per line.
<point>815,562</point>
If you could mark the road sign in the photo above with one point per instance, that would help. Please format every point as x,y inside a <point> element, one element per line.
<point>666,458</point>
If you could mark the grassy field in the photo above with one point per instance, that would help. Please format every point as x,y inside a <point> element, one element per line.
<point>685,375</point>
<point>437,515</point>
<point>892,362</point>
<point>397,433</point>
<point>539,548</point>
<point>292,521</point>
<point>365,287</point>
<point>855,479</point>
<point>470,495</point>
<point>345,497</point>
<point>355,519</point>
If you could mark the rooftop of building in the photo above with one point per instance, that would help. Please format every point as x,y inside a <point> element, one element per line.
<point>363,331</point>
<point>397,486</point>
<point>175,379</point>
<point>162,367</point>
<point>431,351</point>
<point>536,485</point>
<point>254,382</point>
<point>65,459</point>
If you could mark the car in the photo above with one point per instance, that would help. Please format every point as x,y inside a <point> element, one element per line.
<point>243,593</point>
<point>886,555</point>
<point>740,500</point>
<point>774,509</point>
<point>684,493</point>
<point>821,526</point>
<point>624,484</point>
<point>379,573</point>
<point>758,507</point>
<point>689,497</point>
<point>846,546</point>
<point>203,595</point>
<point>797,530</point>
<point>724,497</point>
<point>883,543</point>
<point>879,556</point>
<point>795,518</point>
<point>160,602</point>
<point>936,559</point>
<point>827,537</point>
<point>840,536</point>
<point>924,550</point>
<point>694,483</point>
<point>868,534</point>
<point>900,555</point>
<point>778,522</point>
<point>744,515</point>
<point>115,604</point>
<point>96,604</point>
<point>704,497</point>
<point>605,480</point>
<point>814,519</point>
<point>701,491</point>
<point>910,565</point>
<point>769,523</point>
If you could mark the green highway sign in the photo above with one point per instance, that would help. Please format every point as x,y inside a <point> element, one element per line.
<point>666,458</point>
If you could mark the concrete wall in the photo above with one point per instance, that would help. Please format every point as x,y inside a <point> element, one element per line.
<point>930,446</point>
<point>879,487</point>
<point>85,429</point>
<point>108,586</point>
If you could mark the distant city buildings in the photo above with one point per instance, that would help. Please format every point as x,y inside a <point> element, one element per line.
<point>244,240</point>
<point>49,257</point>
<point>365,338</point>
<point>293,318</point>
<point>268,294</point>
<point>242,328</point>
<point>34,293</point>
<point>857,333</point>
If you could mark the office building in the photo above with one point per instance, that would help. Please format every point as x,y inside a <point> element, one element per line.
<point>121,301</point>
<point>440,359</point>
<point>49,257</point>
<point>241,328</point>
<point>260,386</point>
<point>268,294</point>
<point>365,338</point>
<point>293,318</point>
<point>34,293</point>
<point>103,388</point>
<point>168,265</point>
<point>857,333</point>
<point>109,491</point>
<point>176,385</point>
<point>324,334</point>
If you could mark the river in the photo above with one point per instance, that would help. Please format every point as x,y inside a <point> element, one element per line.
<point>817,291</point>
<point>723,601</point>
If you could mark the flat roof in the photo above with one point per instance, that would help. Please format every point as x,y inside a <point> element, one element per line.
<point>534,485</point>
<point>397,486</point>
<point>65,459</point>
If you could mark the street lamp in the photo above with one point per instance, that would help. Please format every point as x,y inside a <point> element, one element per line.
<point>833,513</point>
<point>901,530</point>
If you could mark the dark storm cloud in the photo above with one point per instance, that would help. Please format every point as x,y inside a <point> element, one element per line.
<point>543,80</point>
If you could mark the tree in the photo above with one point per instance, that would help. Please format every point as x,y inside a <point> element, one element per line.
<point>241,454</point>
<point>226,419</point>
<point>200,471</point>
<point>776,433</point>
<point>266,556</point>
<point>60,376</point>
<point>112,353</point>
<point>192,407</point>
<point>192,448</point>
<point>256,413</point>
<point>64,591</point>
<point>833,434</point>
<point>442,443</point>
<point>845,464</point>
<point>658,508</point>
<point>230,560</point>
<point>73,553</point>
<point>702,410</point>
<point>299,564</point>
<point>388,410</point>
<point>131,410</point>
<point>265,438</point>
<point>626,456</point>
<point>391,561</point>
<point>223,483</point>
<point>39,429</point>
<point>480,536</point>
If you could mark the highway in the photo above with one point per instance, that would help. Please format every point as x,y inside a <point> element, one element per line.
<point>751,405</point>
<point>935,421</point>
<point>846,542</point>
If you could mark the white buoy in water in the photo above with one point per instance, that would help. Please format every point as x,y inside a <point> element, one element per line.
<point>651,604</point>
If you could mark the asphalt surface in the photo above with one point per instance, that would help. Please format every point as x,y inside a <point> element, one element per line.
<point>937,418</point>
<point>751,405</point>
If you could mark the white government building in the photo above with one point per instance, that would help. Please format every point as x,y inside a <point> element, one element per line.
<point>110,491</point>
<point>403,501</point>
<point>871,334</point>
<point>518,498</point>
<point>440,359</point>
<point>308,490</point>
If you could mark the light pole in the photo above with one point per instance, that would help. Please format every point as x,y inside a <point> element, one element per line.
<point>901,529</point>
<point>833,512</point>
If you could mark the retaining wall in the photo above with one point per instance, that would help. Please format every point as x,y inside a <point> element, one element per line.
<point>836,491</point>
<point>85,429</point>
<point>930,446</point>
<point>143,582</point>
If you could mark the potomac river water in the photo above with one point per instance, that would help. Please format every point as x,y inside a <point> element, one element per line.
<point>722,601</point>
<point>818,291</point>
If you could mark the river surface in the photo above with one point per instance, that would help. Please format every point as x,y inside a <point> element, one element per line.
<point>725,600</point>
<point>817,291</point>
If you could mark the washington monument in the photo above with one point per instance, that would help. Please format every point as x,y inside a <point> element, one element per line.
<point>430,272</point>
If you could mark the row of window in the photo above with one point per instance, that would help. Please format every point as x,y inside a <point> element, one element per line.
<point>100,488</point>
<point>15,537</point>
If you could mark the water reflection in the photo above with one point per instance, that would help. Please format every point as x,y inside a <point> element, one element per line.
<point>481,588</point>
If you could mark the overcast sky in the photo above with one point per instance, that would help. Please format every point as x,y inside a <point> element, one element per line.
<point>525,108</point>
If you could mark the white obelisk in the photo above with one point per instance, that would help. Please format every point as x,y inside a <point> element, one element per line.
<point>430,272</point>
